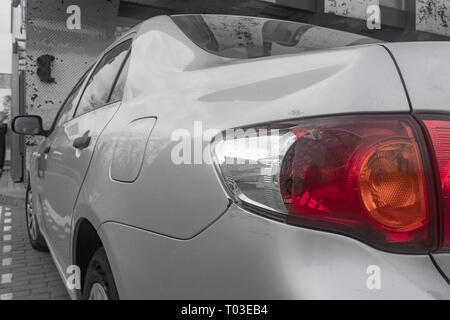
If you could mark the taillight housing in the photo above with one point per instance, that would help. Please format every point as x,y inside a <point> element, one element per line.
<point>366,176</point>
<point>437,128</point>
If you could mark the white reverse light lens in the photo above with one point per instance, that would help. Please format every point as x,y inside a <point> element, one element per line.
<point>248,162</point>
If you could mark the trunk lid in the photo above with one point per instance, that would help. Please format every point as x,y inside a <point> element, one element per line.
<point>425,67</point>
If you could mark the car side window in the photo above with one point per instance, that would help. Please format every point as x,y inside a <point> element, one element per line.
<point>98,89</point>
<point>117,93</point>
<point>68,109</point>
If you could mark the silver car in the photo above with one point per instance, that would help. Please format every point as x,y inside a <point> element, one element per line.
<point>227,157</point>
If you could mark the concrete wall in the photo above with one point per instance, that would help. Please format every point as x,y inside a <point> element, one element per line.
<point>433,16</point>
<point>74,50</point>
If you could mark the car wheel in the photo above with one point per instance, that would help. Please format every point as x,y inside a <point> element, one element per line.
<point>99,283</point>
<point>34,233</point>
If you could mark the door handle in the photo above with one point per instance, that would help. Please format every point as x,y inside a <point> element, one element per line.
<point>82,142</point>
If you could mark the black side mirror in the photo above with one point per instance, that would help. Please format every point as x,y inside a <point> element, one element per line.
<point>28,125</point>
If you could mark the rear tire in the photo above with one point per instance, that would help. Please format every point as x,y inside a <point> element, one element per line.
<point>99,283</point>
<point>37,240</point>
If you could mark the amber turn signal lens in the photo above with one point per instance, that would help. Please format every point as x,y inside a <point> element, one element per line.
<point>391,187</point>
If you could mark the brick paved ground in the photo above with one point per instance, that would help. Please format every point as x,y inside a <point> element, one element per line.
<point>24,272</point>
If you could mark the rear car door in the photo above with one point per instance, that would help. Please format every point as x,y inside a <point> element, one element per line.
<point>70,147</point>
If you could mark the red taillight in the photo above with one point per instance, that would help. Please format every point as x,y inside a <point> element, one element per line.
<point>367,177</point>
<point>439,137</point>
<point>376,178</point>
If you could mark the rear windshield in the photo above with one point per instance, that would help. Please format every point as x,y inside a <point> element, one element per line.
<point>251,37</point>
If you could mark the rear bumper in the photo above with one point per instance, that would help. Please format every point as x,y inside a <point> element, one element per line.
<point>244,256</point>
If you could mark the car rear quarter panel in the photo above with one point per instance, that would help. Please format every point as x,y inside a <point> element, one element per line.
<point>180,85</point>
